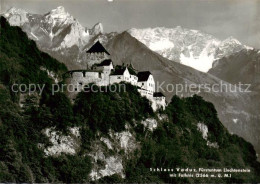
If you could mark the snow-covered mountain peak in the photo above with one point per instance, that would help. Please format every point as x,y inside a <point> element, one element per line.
<point>14,10</point>
<point>231,41</point>
<point>97,29</point>
<point>59,15</point>
<point>189,47</point>
<point>59,12</point>
<point>16,16</point>
<point>179,28</point>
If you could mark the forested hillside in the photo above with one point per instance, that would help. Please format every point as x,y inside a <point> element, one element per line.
<point>178,143</point>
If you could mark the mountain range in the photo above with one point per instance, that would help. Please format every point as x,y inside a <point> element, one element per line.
<point>56,32</point>
<point>63,37</point>
<point>164,52</point>
<point>189,47</point>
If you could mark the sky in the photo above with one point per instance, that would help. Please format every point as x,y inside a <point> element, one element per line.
<point>220,18</point>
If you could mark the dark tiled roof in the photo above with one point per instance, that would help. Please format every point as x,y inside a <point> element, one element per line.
<point>131,71</point>
<point>106,62</point>
<point>158,94</point>
<point>97,47</point>
<point>118,71</point>
<point>143,76</point>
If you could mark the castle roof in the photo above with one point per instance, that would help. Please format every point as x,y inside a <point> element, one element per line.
<point>158,94</point>
<point>118,70</point>
<point>131,70</point>
<point>106,62</point>
<point>97,48</point>
<point>143,76</point>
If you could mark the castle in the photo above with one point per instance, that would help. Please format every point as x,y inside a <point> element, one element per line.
<point>102,72</point>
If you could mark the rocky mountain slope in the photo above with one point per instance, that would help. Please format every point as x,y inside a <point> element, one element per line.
<point>55,32</point>
<point>189,47</point>
<point>243,66</point>
<point>63,37</point>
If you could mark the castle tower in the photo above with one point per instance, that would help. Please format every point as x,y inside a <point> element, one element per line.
<point>96,54</point>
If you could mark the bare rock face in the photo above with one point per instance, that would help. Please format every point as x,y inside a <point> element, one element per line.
<point>61,143</point>
<point>150,124</point>
<point>204,131</point>
<point>111,165</point>
<point>109,153</point>
<point>97,29</point>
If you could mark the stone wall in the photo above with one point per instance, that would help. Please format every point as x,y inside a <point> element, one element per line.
<point>79,79</point>
<point>145,93</point>
<point>95,58</point>
<point>116,79</point>
<point>133,80</point>
<point>148,85</point>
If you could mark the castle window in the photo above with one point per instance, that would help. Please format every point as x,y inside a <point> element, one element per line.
<point>84,74</point>
<point>99,75</point>
<point>80,83</point>
<point>118,77</point>
<point>76,89</point>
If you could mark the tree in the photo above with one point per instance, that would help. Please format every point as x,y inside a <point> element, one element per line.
<point>61,109</point>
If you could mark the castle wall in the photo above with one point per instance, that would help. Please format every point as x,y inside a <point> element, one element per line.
<point>158,102</point>
<point>148,85</point>
<point>145,93</point>
<point>107,69</point>
<point>79,79</point>
<point>86,77</point>
<point>105,79</point>
<point>116,79</point>
<point>95,58</point>
<point>119,78</point>
<point>133,80</point>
